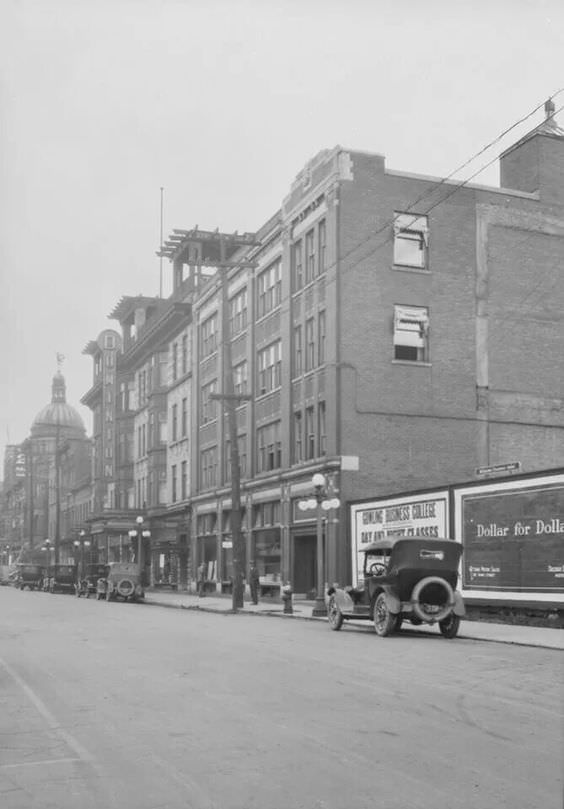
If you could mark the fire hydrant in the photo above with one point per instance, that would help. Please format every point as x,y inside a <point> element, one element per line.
<point>287,599</point>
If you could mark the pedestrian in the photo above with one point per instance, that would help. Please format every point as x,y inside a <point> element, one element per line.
<point>201,580</point>
<point>254,580</point>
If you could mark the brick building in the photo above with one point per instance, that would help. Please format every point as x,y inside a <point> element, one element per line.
<point>393,331</point>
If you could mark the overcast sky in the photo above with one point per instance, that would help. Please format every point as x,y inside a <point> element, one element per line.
<point>221,102</point>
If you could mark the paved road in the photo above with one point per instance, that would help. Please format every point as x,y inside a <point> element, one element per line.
<point>111,704</point>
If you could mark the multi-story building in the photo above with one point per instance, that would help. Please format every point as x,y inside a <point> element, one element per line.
<point>395,331</point>
<point>391,331</point>
<point>110,400</point>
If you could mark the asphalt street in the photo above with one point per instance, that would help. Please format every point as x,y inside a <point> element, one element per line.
<point>113,704</point>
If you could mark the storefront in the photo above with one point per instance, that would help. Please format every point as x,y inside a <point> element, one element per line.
<point>513,537</point>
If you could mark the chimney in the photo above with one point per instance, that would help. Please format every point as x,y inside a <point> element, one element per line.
<point>536,162</point>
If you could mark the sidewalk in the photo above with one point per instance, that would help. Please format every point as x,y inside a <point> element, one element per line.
<point>473,630</point>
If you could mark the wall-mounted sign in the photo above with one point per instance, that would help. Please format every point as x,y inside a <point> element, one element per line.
<point>499,469</point>
<point>513,535</point>
<point>414,516</point>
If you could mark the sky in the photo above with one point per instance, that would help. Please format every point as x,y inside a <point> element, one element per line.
<point>221,103</point>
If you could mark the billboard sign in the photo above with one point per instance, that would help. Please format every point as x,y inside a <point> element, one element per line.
<point>423,515</point>
<point>513,535</point>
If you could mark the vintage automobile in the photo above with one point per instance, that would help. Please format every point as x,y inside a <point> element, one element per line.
<point>403,579</point>
<point>87,583</point>
<point>123,580</point>
<point>60,578</point>
<point>29,575</point>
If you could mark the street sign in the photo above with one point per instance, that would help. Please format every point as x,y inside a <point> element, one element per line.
<point>498,469</point>
<point>227,544</point>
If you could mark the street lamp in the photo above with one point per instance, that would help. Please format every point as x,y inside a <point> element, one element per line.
<point>140,533</point>
<point>320,502</point>
<point>81,543</point>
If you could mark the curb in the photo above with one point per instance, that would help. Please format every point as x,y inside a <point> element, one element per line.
<point>243,611</point>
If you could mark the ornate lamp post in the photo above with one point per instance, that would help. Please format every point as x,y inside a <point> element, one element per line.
<point>320,502</point>
<point>140,533</point>
<point>81,543</point>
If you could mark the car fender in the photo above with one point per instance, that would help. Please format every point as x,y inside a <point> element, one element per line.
<point>392,602</point>
<point>342,599</point>
<point>459,608</point>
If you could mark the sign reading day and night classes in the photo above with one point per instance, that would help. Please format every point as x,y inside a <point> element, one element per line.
<point>423,516</point>
<point>513,537</point>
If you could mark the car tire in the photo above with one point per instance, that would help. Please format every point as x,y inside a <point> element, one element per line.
<point>449,626</point>
<point>334,615</point>
<point>385,622</point>
<point>418,608</point>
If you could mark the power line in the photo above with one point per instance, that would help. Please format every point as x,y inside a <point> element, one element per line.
<point>430,191</point>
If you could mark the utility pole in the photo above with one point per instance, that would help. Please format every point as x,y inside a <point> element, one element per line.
<point>230,400</point>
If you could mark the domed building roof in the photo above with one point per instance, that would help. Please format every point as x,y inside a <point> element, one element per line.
<point>58,414</point>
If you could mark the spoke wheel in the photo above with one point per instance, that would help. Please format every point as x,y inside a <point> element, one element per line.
<point>334,615</point>
<point>385,622</point>
<point>449,626</point>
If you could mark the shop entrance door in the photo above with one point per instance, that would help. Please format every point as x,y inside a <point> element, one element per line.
<point>305,554</point>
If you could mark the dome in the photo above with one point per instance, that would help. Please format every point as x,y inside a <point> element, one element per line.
<point>58,414</point>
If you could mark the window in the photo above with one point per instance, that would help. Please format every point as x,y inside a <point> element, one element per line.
<point>269,451</point>
<point>310,433</point>
<point>310,256</point>
<point>266,514</point>
<point>322,428</point>
<point>174,362</point>
<point>208,467</point>
<point>208,406</point>
<point>173,470</point>
<point>110,343</point>
<point>208,336</point>
<point>174,415</point>
<point>411,333</point>
<point>269,289</point>
<point>310,345</point>
<point>238,313</point>
<point>298,352</point>
<point>298,438</point>
<point>184,353</point>
<point>184,480</point>
<point>321,338</point>
<point>411,238</point>
<point>269,368</point>
<point>297,266</point>
<point>184,418</point>
<point>240,379</point>
<point>321,246</point>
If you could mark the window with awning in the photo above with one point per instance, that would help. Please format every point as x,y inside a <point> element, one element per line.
<point>411,333</point>
<point>411,240</point>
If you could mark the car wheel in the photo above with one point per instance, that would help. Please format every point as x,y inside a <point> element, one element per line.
<point>385,622</point>
<point>334,615</point>
<point>449,626</point>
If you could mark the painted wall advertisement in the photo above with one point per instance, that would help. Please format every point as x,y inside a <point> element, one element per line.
<point>513,536</point>
<point>414,516</point>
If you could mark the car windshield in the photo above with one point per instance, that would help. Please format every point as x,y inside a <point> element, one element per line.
<point>377,561</point>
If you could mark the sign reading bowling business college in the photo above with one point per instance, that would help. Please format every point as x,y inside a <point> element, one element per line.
<point>413,516</point>
<point>513,535</point>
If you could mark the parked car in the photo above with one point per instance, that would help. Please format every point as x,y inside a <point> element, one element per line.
<point>87,584</point>
<point>61,578</point>
<point>403,579</point>
<point>29,575</point>
<point>124,580</point>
